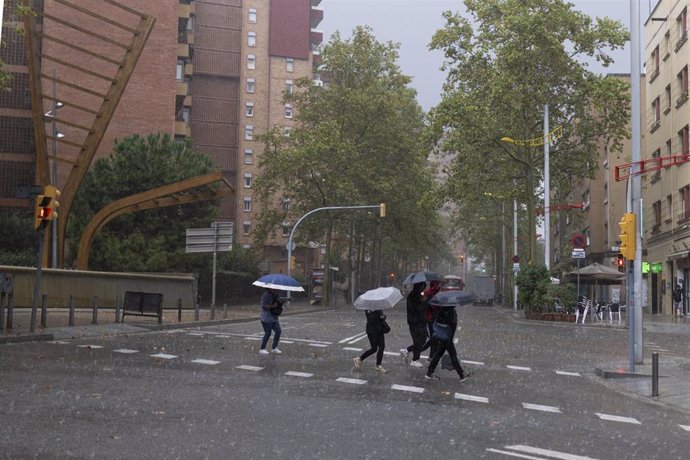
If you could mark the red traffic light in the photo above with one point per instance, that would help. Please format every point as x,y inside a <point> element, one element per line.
<point>44,213</point>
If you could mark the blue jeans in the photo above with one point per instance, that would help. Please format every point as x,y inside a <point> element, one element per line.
<point>268,327</point>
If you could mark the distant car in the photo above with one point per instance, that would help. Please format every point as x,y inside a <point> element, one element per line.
<point>452,283</point>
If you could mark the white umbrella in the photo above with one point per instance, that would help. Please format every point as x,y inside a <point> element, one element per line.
<point>378,299</point>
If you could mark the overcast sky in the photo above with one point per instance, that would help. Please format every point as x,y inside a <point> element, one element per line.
<point>411,23</point>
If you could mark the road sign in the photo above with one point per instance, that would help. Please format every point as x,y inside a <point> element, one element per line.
<point>579,240</point>
<point>214,239</point>
<point>578,253</point>
<point>516,267</point>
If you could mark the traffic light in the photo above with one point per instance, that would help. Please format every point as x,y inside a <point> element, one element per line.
<point>53,194</point>
<point>382,210</point>
<point>462,259</point>
<point>293,262</point>
<point>621,263</point>
<point>41,211</point>
<point>627,236</point>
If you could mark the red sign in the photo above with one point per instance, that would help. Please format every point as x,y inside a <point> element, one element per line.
<point>516,259</point>
<point>579,240</point>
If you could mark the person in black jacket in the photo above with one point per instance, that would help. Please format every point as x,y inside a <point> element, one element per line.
<point>442,339</point>
<point>376,328</point>
<point>417,324</point>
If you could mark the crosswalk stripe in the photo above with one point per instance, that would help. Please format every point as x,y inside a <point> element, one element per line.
<point>318,345</point>
<point>125,351</point>
<point>164,356</point>
<point>546,453</point>
<point>299,374</point>
<point>464,397</point>
<point>210,362</point>
<point>353,381</point>
<point>90,346</point>
<point>617,418</point>
<point>249,368</point>
<point>571,374</point>
<point>476,363</point>
<point>685,427</point>
<point>353,349</point>
<point>541,408</point>
<point>519,368</point>
<point>407,388</point>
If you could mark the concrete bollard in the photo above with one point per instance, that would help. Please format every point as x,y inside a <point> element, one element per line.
<point>44,311</point>
<point>94,320</point>
<point>117,309</point>
<point>196,312</point>
<point>10,310</point>
<point>179,310</point>
<point>655,374</point>
<point>2,313</point>
<point>213,311</point>
<point>71,310</point>
<point>225,311</point>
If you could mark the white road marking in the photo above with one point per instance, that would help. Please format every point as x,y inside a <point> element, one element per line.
<point>287,341</point>
<point>390,353</point>
<point>318,345</point>
<point>59,342</point>
<point>299,374</point>
<point>464,397</point>
<point>618,418</point>
<point>538,451</point>
<point>210,362</point>
<point>199,334</point>
<point>357,340</point>
<point>164,356</point>
<point>252,338</point>
<point>125,351</point>
<point>353,349</point>
<point>519,368</point>
<point>90,346</point>
<point>407,388</point>
<point>553,409</point>
<point>476,363</point>
<point>249,368</point>
<point>685,427</point>
<point>571,374</point>
<point>361,334</point>
<point>354,381</point>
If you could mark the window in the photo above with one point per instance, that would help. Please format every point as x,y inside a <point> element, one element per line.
<point>656,109</point>
<point>669,205</point>
<point>289,64</point>
<point>288,111</point>
<point>681,28</point>
<point>190,24</point>
<point>247,180</point>
<point>683,141</point>
<point>667,99</point>
<point>251,62</point>
<point>248,156</point>
<point>657,163</point>
<point>288,86</point>
<point>669,148</point>
<point>251,39</point>
<point>654,64</point>
<point>684,195</point>
<point>682,80</point>
<point>246,227</point>
<point>656,206</point>
<point>249,133</point>
<point>252,16</point>
<point>249,109</point>
<point>251,85</point>
<point>179,70</point>
<point>247,204</point>
<point>186,112</point>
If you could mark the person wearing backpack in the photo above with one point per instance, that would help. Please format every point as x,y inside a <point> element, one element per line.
<point>377,327</point>
<point>678,300</point>
<point>442,341</point>
<point>271,308</point>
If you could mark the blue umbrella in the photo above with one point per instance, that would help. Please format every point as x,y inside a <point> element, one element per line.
<point>452,298</point>
<point>279,281</point>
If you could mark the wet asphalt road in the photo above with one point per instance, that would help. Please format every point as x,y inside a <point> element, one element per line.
<point>207,393</point>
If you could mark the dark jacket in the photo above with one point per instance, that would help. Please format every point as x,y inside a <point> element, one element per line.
<point>448,316</point>
<point>415,308</point>
<point>375,321</point>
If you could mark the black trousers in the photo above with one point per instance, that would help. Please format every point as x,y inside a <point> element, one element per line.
<point>420,339</point>
<point>442,346</point>
<point>377,343</point>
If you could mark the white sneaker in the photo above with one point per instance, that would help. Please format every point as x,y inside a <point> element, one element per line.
<point>277,351</point>
<point>380,370</point>
<point>416,364</point>
<point>358,362</point>
<point>263,351</point>
<point>405,355</point>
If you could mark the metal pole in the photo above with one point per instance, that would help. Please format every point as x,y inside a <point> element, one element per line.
<point>515,253</point>
<point>117,309</point>
<point>37,283</point>
<point>655,374</point>
<point>94,320</point>
<point>71,311</point>
<point>547,188</point>
<point>505,256</point>
<point>213,287</point>
<point>44,311</point>
<point>2,312</point>
<point>10,310</point>
<point>53,172</point>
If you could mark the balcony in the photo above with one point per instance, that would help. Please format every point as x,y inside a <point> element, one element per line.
<point>182,129</point>
<point>655,126</point>
<point>183,50</point>
<point>653,75</point>
<point>316,37</point>
<point>681,40</point>
<point>182,88</point>
<point>316,17</point>
<point>682,98</point>
<point>315,2</point>
<point>683,216</point>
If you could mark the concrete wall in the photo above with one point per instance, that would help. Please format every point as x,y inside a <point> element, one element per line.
<point>58,285</point>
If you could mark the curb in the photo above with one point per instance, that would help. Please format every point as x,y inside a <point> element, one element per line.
<point>619,374</point>
<point>26,338</point>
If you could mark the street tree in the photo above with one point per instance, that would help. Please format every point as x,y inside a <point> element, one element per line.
<point>149,240</point>
<point>356,141</point>
<point>504,63</point>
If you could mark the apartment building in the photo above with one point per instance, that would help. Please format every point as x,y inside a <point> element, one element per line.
<point>666,190</point>
<point>212,70</point>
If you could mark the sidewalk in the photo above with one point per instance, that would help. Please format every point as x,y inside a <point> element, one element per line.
<point>58,328</point>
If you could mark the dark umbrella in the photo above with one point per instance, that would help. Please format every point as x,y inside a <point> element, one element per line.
<point>279,281</point>
<point>452,298</point>
<point>421,277</point>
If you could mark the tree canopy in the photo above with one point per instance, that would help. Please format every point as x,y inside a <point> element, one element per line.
<point>504,63</point>
<point>150,240</point>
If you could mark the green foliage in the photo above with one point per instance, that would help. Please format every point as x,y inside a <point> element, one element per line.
<point>357,141</point>
<point>19,240</point>
<point>533,283</point>
<point>504,63</point>
<point>145,241</point>
<point>564,292</point>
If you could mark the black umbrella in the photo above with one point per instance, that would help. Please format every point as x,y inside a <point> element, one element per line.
<point>421,277</point>
<point>452,298</point>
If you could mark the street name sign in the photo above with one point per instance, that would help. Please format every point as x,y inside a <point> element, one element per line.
<point>578,253</point>
<point>218,238</point>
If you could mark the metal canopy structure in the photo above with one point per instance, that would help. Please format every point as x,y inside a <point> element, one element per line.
<point>202,188</point>
<point>92,83</point>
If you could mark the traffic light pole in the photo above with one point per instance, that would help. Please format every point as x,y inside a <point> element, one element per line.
<point>37,284</point>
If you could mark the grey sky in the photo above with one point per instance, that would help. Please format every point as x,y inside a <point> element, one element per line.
<point>413,22</point>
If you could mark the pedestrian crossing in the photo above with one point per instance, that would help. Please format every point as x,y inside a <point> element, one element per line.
<point>396,387</point>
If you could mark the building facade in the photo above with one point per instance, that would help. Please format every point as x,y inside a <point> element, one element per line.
<point>213,71</point>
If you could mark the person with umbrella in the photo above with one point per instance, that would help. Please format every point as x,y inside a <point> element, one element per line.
<point>444,328</point>
<point>376,328</point>
<point>271,308</point>
<point>417,325</point>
